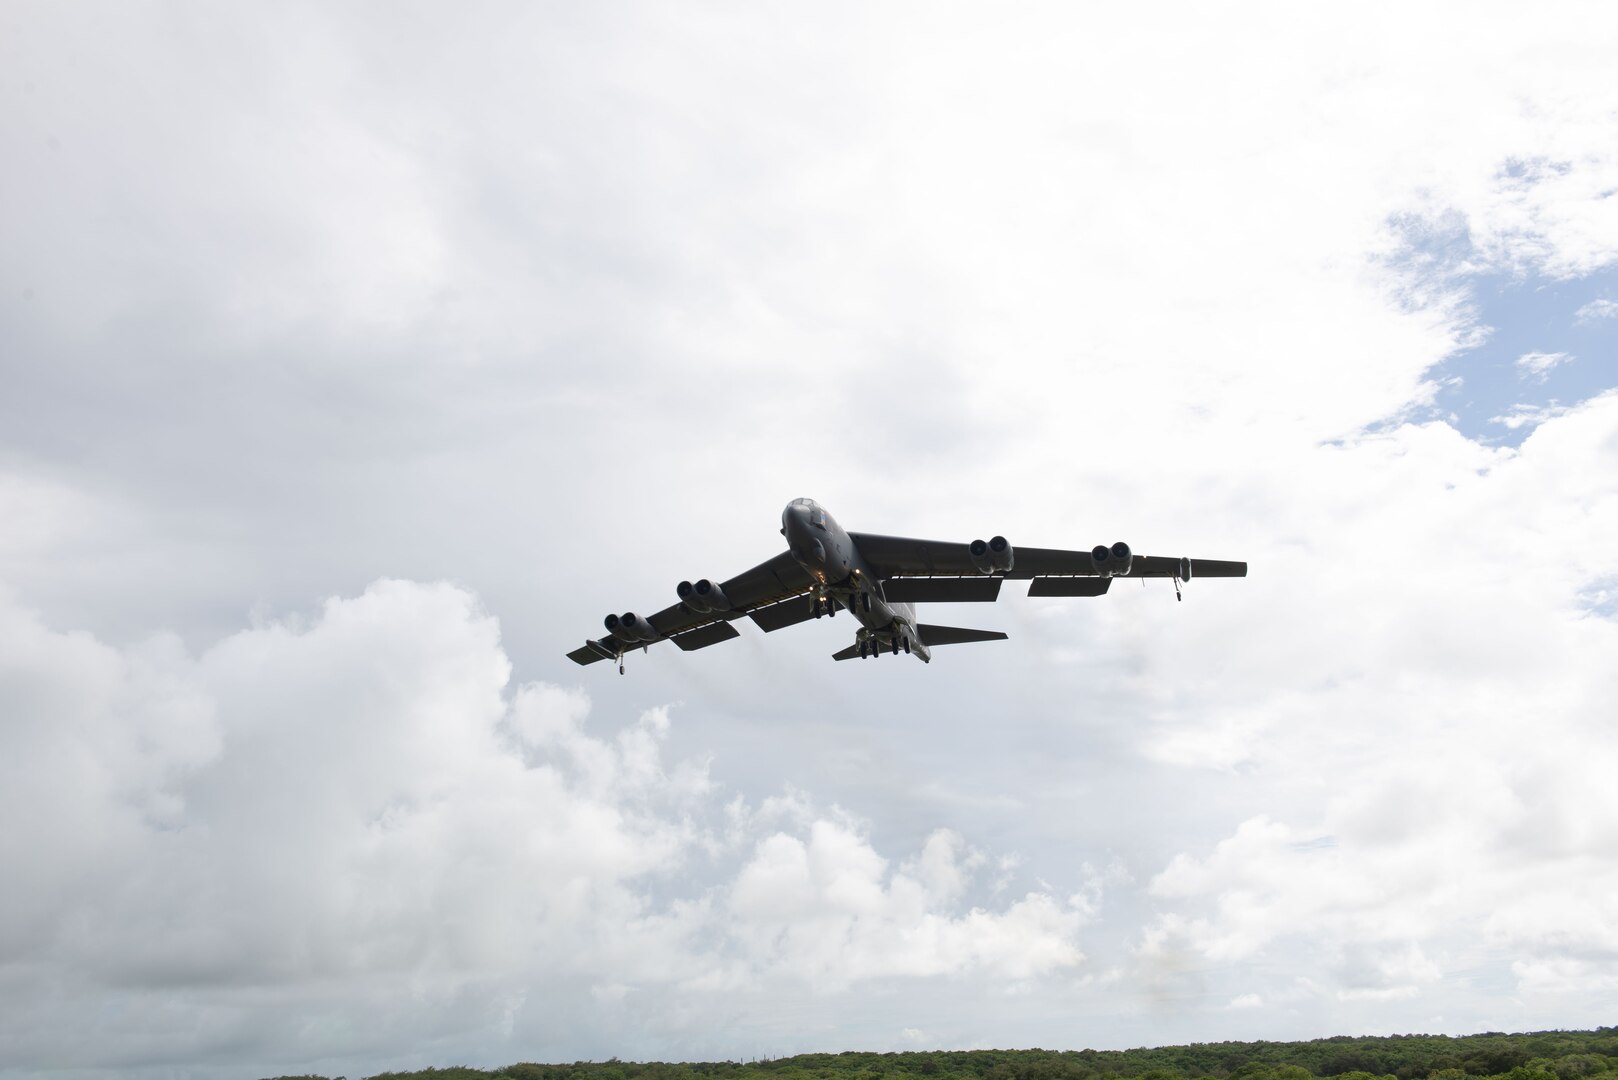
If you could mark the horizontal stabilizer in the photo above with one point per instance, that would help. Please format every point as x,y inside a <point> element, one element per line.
<point>1069,586</point>
<point>945,590</point>
<point>846,654</point>
<point>712,634</point>
<point>954,635</point>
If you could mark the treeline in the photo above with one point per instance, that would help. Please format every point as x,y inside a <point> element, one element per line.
<point>1541,1055</point>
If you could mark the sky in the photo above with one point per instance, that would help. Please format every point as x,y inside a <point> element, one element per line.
<point>356,360</point>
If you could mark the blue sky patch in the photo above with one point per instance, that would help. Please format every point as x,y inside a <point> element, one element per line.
<point>1539,345</point>
<point>1600,597</point>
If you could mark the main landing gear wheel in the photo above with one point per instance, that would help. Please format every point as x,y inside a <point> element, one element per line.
<point>907,646</point>
<point>895,648</point>
<point>865,650</point>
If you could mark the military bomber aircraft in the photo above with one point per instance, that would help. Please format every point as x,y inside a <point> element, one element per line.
<point>879,580</point>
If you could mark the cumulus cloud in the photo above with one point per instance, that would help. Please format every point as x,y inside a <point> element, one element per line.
<point>360,800</point>
<point>1465,813</point>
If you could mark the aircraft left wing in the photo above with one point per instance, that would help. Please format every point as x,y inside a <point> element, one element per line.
<point>692,627</point>
<point>907,557</point>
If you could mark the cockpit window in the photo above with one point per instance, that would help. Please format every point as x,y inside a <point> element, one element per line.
<point>817,518</point>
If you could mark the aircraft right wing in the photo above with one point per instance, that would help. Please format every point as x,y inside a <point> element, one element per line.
<point>758,592</point>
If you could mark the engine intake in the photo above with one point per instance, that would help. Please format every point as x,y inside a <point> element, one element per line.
<point>1114,561</point>
<point>632,627</point>
<point>979,551</point>
<point>704,596</point>
<point>1000,554</point>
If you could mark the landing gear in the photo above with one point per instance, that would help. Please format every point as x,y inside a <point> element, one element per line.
<point>895,647</point>
<point>865,650</point>
<point>907,647</point>
<point>1177,595</point>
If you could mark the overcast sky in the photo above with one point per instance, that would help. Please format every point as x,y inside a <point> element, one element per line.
<point>356,360</point>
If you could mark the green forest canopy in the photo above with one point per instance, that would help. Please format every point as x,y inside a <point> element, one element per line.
<point>1539,1055</point>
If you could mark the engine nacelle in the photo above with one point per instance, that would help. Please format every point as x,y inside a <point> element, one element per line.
<point>632,627</point>
<point>704,596</point>
<point>979,551</point>
<point>1001,557</point>
<point>1112,561</point>
<point>1185,568</point>
<point>712,596</point>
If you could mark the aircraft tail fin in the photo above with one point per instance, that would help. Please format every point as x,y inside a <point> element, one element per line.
<point>954,635</point>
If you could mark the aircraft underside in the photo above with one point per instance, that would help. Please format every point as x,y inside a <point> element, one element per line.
<point>879,580</point>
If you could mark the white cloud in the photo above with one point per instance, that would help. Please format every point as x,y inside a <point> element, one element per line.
<point>1597,310</point>
<point>1522,415</point>
<point>1463,832</point>
<point>358,803</point>
<point>825,909</point>
<point>1538,365</point>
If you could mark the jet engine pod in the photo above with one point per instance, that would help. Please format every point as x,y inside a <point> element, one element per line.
<point>632,627</point>
<point>611,623</point>
<point>702,597</point>
<point>708,595</point>
<point>979,550</point>
<point>1112,561</point>
<point>1185,568</point>
<point>1000,554</point>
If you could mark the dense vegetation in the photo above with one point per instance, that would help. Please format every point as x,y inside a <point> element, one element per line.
<point>1542,1055</point>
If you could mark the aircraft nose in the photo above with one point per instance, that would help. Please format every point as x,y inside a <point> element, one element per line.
<point>800,537</point>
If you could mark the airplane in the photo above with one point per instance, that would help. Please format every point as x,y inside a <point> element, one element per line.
<point>879,580</point>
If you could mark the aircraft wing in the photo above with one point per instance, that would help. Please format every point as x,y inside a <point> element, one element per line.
<point>764,585</point>
<point>907,557</point>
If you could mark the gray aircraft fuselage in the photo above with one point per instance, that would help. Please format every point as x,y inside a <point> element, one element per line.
<point>829,555</point>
